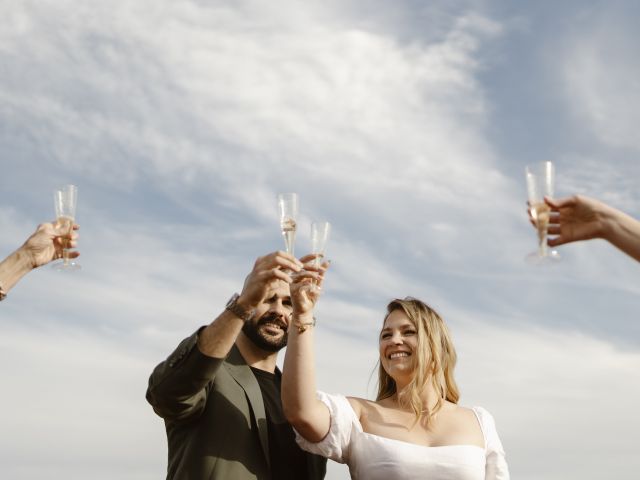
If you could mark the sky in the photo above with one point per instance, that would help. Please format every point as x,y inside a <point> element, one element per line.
<point>405,124</point>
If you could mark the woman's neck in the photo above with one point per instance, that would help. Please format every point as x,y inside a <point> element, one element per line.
<point>429,396</point>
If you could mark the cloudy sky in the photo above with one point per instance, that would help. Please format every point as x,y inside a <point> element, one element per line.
<point>406,124</point>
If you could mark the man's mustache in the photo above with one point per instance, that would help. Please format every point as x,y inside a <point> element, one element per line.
<point>273,318</point>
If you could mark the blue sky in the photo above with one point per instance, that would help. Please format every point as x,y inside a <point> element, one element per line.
<point>407,126</point>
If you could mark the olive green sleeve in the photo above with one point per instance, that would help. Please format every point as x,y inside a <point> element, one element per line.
<point>178,387</point>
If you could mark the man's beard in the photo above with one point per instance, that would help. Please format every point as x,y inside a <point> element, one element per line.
<point>262,340</point>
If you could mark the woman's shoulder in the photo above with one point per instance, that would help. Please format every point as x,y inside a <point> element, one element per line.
<point>474,413</point>
<point>337,402</point>
<point>481,413</point>
<point>361,405</point>
<point>489,430</point>
<point>474,410</point>
<point>357,404</point>
<point>364,408</point>
<point>486,421</point>
<point>460,413</point>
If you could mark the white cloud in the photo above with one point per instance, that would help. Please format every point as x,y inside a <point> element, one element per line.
<point>600,74</point>
<point>15,229</point>
<point>220,88</point>
<point>180,121</point>
<point>603,178</point>
<point>81,407</point>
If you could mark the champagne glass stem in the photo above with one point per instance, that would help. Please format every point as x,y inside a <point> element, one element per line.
<point>543,249</point>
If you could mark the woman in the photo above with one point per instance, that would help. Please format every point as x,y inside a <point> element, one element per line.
<point>414,429</point>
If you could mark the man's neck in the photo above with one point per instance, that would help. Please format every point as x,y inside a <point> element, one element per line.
<point>256,357</point>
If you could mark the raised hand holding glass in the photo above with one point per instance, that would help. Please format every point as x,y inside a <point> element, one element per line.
<point>540,183</point>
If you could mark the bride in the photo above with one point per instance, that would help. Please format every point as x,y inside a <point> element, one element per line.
<point>415,428</point>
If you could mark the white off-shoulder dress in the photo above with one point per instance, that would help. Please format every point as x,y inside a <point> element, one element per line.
<point>371,457</point>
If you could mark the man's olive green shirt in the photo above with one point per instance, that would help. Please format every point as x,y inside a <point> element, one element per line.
<point>215,417</point>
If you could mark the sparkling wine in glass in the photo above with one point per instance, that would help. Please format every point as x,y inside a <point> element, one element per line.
<point>65,201</point>
<point>319,238</point>
<point>288,206</point>
<point>540,183</point>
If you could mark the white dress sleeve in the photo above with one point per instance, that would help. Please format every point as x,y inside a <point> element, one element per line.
<point>335,445</point>
<point>496,464</point>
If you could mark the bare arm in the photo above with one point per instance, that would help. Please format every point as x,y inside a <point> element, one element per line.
<point>12,269</point>
<point>308,415</point>
<point>579,218</point>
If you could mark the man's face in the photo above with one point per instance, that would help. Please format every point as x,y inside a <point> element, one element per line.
<point>268,327</point>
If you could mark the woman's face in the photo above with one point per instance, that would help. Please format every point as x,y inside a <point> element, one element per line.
<point>398,346</point>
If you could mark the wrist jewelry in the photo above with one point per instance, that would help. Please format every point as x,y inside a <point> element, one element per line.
<point>302,327</point>
<point>233,307</point>
<point>2,294</point>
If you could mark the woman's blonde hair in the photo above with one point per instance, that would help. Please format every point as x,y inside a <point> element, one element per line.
<point>433,361</point>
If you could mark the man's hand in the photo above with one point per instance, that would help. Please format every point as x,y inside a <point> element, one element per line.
<point>266,271</point>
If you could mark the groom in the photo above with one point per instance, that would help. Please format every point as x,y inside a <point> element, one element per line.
<point>219,391</point>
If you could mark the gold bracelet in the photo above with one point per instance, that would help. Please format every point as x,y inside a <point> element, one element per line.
<point>302,327</point>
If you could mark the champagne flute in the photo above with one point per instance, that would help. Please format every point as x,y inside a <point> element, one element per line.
<point>319,238</point>
<point>288,206</point>
<point>65,201</point>
<point>540,183</point>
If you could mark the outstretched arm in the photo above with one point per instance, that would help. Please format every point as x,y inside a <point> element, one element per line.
<point>177,387</point>
<point>308,415</point>
<point>579,218</point>
<point>43,246</point>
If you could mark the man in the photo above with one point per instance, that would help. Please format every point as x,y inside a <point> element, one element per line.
<point>219,391</point>
<point>43,246</point>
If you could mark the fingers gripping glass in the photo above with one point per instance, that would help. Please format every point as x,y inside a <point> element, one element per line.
<point>540,183</point>
<point>65,201</point>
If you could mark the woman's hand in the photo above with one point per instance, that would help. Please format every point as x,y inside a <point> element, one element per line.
<point>48,242</point>
<point>307,285</point>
